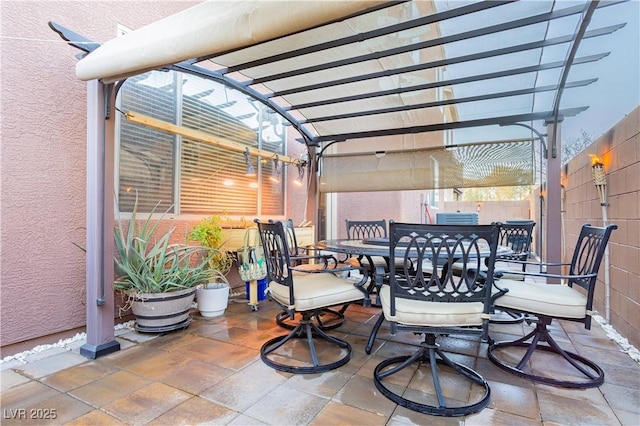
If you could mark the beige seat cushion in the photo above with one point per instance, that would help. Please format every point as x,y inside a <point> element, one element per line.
<point>434,314</point>
<point>554,300</point>
<point>379,261</point>
<point>499,268</point>
<point>316,290</point>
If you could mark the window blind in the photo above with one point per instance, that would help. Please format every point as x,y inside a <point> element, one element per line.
<point>147,160</point>
<point>210,180</point>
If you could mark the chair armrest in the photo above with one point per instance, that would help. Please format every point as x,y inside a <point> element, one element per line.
<point>331,270</point>
<point>500,292</point>
<point>526,262</point>
<point>324,258</point>
<point>558,276</point>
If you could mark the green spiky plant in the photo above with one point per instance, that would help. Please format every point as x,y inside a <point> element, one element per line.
<point>149,263</point>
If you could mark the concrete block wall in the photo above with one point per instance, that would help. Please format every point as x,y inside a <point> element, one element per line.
<point>619,150</point>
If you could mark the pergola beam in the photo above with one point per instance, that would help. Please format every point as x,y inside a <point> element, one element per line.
<point>204,137</point>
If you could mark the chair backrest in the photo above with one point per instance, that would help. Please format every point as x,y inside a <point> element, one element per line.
<point>276,251</point>
<point>417,243</point>
<point>516,236</point>
<point>587,257</point>
<point>360,229</point>
<point>292,241</point>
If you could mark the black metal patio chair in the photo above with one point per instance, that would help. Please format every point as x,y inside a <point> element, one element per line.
<point>363,229</point>
<point>376,266</point>
<point>427,303</point>
<point>517,237</point>
<point>309,259</point>
<point>570,299</point>
<point>306,293</point>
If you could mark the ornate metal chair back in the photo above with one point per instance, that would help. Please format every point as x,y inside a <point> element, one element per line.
<point>587,257</point>
<point>276,251</point>
<point>516,236</point>
<point>417,243</point>
<point>360,229</point>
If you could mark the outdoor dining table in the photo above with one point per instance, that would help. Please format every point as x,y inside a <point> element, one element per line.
<point>380,247</point>
<point>369,247</point>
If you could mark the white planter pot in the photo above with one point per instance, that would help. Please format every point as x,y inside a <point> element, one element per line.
<point>213,300</point>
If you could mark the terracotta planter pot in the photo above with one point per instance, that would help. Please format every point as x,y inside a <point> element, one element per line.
<point>160,312</point>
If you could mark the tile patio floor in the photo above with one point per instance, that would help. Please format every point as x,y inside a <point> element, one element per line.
<point>211,373</point>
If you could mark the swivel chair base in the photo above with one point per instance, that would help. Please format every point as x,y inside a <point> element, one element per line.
<point>306,329</point>
<point>427,355</point>
<point>326,319</point>
<point>374,333</point>
<point>594,376</point>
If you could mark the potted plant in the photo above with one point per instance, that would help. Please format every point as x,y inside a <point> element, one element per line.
<point>158,278</point>
<point>213,295</point>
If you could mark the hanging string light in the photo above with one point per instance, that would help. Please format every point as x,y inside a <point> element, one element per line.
<point>275,176</point>
<point>251,171</point>
<point>299,180</point>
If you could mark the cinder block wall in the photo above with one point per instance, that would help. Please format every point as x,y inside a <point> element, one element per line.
<point>619,150</point>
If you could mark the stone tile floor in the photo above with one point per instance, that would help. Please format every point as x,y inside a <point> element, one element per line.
<point>211,373</point>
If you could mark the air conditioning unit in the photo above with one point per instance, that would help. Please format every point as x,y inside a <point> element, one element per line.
<point>458,218</point>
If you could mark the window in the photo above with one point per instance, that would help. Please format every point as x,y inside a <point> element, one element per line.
<point>196,177</point>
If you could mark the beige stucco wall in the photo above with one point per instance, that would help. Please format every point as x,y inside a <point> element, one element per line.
<point>42,165</point>
<point>619,148</point>
<point>43,162</point>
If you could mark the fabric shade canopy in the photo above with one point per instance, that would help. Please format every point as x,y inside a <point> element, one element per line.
<point>371,75</point>
<point>460,166</point>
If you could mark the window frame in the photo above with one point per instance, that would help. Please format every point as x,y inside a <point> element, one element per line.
<point>262,169</point>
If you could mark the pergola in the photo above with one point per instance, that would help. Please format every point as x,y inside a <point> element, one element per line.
<point>382,84</point>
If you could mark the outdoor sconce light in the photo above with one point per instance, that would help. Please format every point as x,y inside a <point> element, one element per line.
<point>599,179</point>
<point>275,176</point>
<point>251,171</point>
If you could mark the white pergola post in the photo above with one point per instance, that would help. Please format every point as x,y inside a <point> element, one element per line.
<point>99,244</point>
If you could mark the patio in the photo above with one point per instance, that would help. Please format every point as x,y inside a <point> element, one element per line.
<point>211,373</point>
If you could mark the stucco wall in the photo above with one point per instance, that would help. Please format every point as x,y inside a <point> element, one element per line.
<point>43,159</point>
<point>43,162</point>
<point>619,148</point>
